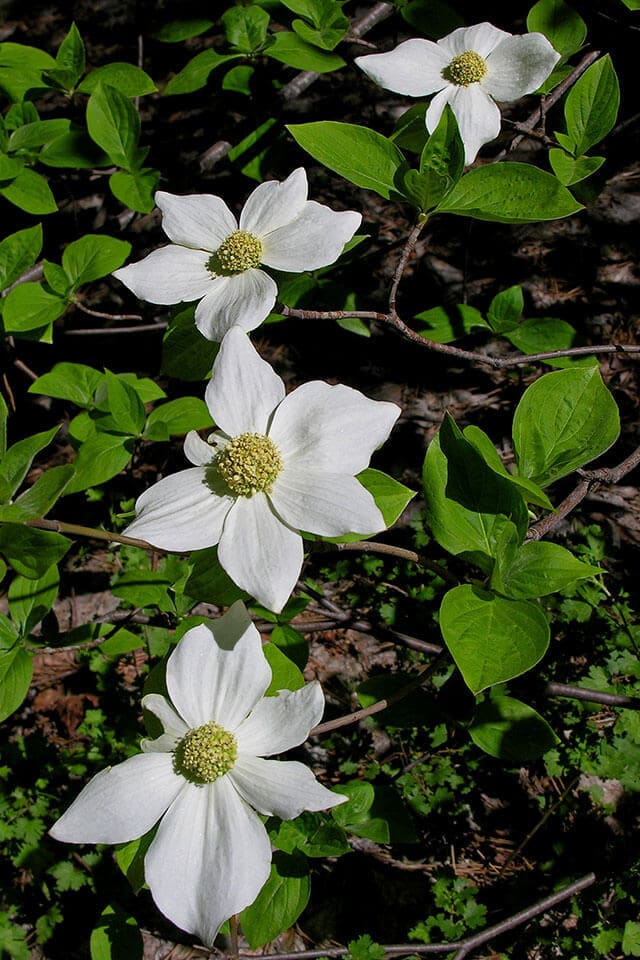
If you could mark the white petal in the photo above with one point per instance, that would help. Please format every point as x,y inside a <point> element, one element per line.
<point>244,389</point>
<point>280,723</point>
<point>168,275</point>
<point>482,38</point>
<point>244,299</point>
<point>331,428</point>
<point>197,450</point>
<point>218,671</point>
<point>280,788</point>
<point>477,115</point>
<point>201,221</point>
<point>328,504</point>
<point>274,203</point>
<point>174,726</point>
<point>518,66</point>
<point>260,554</point>
<point>181,512</point>
<point>209,859</point>
<point>314,239</point>
<point>121,803</point>
<point>413,68</point>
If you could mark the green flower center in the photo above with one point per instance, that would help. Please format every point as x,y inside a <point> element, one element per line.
<point>249,464</point>
<point>239,251</point>
<point>206,753</point>
<point>468,67</point>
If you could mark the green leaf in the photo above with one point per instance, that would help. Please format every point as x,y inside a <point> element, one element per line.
<point>33,135</point>
<point>70,60</point>
<point>511,730</point>
<point>362,156</point>
<point>561,25</point>
<point>509,193</point>
<point>490,638</point>
<point>505,310</point>
<point>31,552</point>
<point>36,502</point>
<point>564,420</point>
<point>18,252</point>
<point>21,69</point>
<point>144,588</point>
<point>93,256</point>
<point>450,322</point>
<point>177,30</point>
<point>116,936</point>
<point>147,389</point>
<point>209,583</point>
<point>441,164</point>
<point>124,405</point>
<point>371,813</point>
<point>538,569</point>
<point>289,48</point>
<point>135,190</point>
<point>18,458</point>
<point>3,430</point>
<point>31,192</point>
<point>294,645</point>
<point>114,124</point>
<point>410,131</point>
<point>467,503</point>
<point>390,495</point>
<point>130,858</point>
<point>186,355</point>
<point>364,948</point>
<point>73,149</point>
<point>16,671</point>
<point>177,417</point>
<point>433,18</point>
<point>10,167</point>
<point>99,459</point>
<point>245,27</point>
<point>30,599</point>
<point>69,381</point>
<point>545,334</point>
<point>312,834</point>
<point>29,306</point>
<point>129,80</point>
<point>591,106</point>
<point>631,939</point>
<point>529,491</point>
<point>570,169</point>
<point>281,900</point>
<point>326,37</point>
<point>285,675</point>
<point>195,74</point>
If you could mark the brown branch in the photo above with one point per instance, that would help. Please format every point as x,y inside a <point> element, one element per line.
<point>464,947</point>
<point>377,707</point>
<point>110,331</point>
<point>590,479</point>
<point>407,250</point>
<point>106,316</point>
<point>75,530</point>
<point>592,696</point>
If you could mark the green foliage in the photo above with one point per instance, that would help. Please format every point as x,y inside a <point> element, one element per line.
<point>511,730</point>
<point>281,900</point>
<point>560,23</point>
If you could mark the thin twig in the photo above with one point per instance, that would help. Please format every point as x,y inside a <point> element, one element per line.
<point>111,331</point>
<point>75,530</point>
<point>462,946</point>
<point>590,479</point>
<point>591,696</point>
<point>407,250</point>
<point>106,316</point>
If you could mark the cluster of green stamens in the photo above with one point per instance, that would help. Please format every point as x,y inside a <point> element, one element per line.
<point>468,67</point>
<point>249,464</point>
<point>237,252</point>
<point>206,753</point>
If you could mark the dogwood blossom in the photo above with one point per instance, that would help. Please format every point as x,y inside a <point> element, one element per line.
<point>205,777</point>
<point>469,69</point>
<point>276,466</point>
<point>216,260</point>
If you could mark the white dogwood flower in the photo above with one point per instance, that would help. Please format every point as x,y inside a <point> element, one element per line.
<point>205,777</point>
<point>217,261</point>
<point>469,69</point>
<point>278,465</point>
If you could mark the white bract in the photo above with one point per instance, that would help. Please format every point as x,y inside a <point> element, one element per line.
<point>205,777</point>
<point>217,261</point>
<point>278,465</point>
<point>468,69</point>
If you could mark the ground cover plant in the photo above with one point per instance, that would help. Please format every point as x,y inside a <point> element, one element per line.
<point>318,526</point>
